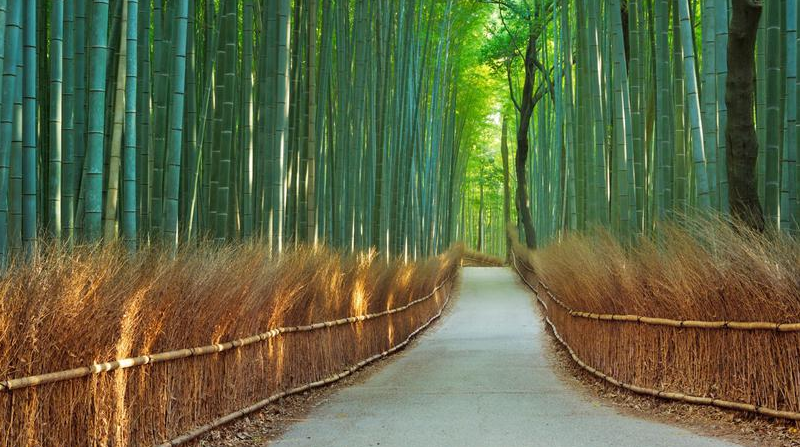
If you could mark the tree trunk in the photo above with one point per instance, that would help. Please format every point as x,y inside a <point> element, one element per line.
<point>740,134</point>
<point>526,110</point>
<point>479,244</point>
<point>506,186</point>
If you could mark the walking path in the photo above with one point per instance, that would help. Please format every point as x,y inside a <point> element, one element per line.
<point>480,378</point>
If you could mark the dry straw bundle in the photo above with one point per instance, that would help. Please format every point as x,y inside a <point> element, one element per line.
<point>93,306</point>
<point>723,304</point>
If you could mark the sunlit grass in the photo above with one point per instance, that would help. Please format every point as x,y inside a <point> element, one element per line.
<point>699,269</point>
<point>94,304</point>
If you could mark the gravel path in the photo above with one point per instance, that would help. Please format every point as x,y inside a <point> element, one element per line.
<point>480,378</point>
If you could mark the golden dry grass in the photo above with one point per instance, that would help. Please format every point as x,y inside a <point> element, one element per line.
<point>698,270</point>
<point>95,305</point>
<point>703,270</point>
<point>478,259</point>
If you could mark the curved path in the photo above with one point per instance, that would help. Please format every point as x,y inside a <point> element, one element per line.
<point>480,378</point>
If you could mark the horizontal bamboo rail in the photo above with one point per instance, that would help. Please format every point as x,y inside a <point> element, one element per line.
<point>97,368</point>
<point>199,431</point>
<point>698,324</point>
<point>676,396</point>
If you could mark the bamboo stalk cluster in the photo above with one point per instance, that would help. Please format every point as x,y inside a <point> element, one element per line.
<point>629,126</point>
<point>172,121</point>
<point>68,312</point>
<point>646,131</point>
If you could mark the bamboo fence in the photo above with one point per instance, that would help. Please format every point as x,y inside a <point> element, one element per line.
<point>199,431</point>
<point>146,399</point>
<point>177,354</point>
<point>477,259</point>
<point>654,354</point>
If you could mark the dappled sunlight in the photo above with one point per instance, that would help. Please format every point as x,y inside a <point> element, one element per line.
<point>358,305</point>
<point>277,356</point>
<point>127,327</point>
<point>390,332</point>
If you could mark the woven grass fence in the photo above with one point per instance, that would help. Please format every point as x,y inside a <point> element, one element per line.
<point>320,315</point>
<point>478,259</point>
<point>750,365</point>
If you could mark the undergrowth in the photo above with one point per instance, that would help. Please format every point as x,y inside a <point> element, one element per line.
<point>701,269</point>
<point>478,259</point>
<point>97,304</point>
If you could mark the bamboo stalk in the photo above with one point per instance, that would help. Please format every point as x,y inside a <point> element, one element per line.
<point>697,324</point>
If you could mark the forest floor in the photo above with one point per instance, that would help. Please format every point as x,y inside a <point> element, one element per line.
<point>486,375</point>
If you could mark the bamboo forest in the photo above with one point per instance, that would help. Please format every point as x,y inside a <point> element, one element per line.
<point>212,210</point>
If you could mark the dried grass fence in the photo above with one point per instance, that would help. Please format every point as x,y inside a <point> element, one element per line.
<point>88,307</point>
<point>478,259</point>
<point>708,315</point>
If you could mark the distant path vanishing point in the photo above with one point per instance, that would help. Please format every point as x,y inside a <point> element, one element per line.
<point>479,378</point>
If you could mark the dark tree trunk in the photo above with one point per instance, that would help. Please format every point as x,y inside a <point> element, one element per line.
<point>480,219</point>
<point>740,135</point>
<point>506,186</point>
<point>626,36</point>
<point>525,112</point>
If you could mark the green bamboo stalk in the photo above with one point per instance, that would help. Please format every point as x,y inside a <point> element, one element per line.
<point>228,64</point>
<point>98,57</point>
<point>680,165</point>
<point>56,118</point>
<point>12,32</point>
<point>311,199</point>
<point>162,52</point>
<point>773,114</point>
<point>637,107</point>
<point>68,167</point>
<point>247,117</point>
<point>29,126</point>
<point>172,183</point>
<point>788,203</point>
<point>115,156</point>
<point>129,231</point>
<point>664,108</point>
<point>693,105</point>
<point>623,152</point>
<point>15,226</point>
<point>721,65</point>
<point>193,155</point>
<point>709,104</point>
<point>143,112</point>
<point>281,120</point>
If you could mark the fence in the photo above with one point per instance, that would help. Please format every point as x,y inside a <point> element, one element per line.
<point>173,397</point>
<point>746,366</point>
